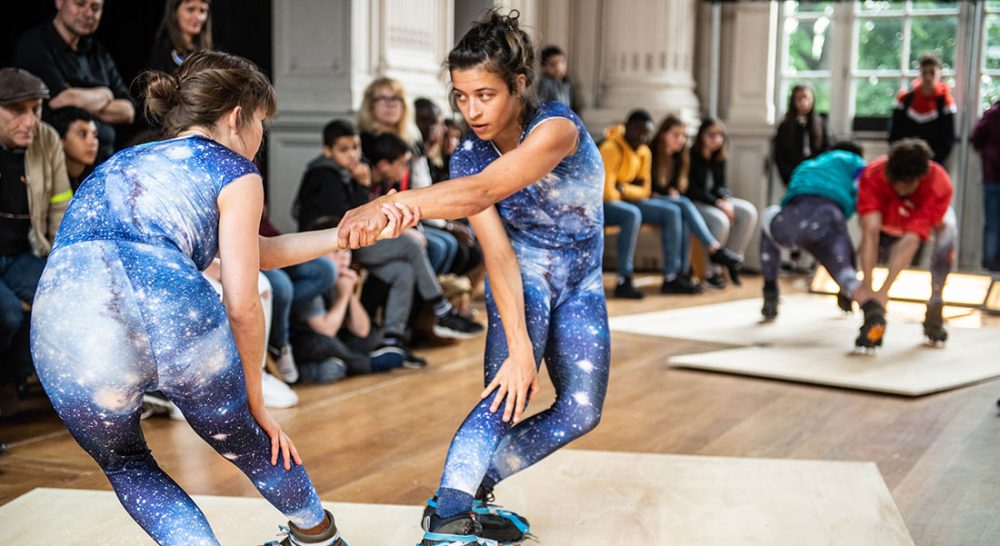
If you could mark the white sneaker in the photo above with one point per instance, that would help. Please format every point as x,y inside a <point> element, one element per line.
<point>285,363</point>
<point>276,393</point>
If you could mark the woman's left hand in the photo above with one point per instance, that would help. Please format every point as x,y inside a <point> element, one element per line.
<point>516,382</point>
<point>281,444</point>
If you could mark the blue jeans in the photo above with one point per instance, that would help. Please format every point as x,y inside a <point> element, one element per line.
<point>991,226</point>
<point>630,216</point>
<point>295,285</point>
<point>442,247</point>
<point>19,274</point>
<point>693,221</point>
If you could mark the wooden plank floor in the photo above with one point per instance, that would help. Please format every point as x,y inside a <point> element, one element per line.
<point>382,439</point>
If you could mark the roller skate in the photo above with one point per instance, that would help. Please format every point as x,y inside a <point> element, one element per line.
<point>460,530</point>
<point>295,537</point>
<point>934,325</point>
<point>770,309</point>
<point>845,302</point>
<point>872,331</point>
<point>497,524</point>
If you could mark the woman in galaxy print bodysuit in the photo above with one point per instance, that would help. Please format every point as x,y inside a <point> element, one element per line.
<point>532,184</point>
<point>122,306</point>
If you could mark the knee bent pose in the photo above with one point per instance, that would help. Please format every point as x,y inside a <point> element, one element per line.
<point>122,306</point>
<point>531,183</point>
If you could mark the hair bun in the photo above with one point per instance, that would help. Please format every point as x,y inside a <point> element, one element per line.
<point>163,94</point>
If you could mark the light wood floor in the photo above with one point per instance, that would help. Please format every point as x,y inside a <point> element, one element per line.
<point>382,439</point>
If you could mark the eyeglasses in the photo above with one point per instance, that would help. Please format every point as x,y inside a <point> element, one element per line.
<point>387,100</point>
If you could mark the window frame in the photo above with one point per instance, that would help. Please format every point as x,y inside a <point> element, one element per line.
<point>843,36</point>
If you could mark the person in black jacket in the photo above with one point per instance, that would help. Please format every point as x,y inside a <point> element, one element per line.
<point>927,111</point>
<point>801,135</point>
<point>730,219</point>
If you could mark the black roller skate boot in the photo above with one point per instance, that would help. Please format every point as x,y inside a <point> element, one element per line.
<point>872,330</point>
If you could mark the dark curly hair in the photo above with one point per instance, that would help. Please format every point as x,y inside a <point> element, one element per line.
<point>909,160</point>
<point>499,45</point>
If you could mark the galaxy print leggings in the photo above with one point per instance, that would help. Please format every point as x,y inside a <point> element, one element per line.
<point>112,320</point>
<point>567,322</point>
<point>814,224</point>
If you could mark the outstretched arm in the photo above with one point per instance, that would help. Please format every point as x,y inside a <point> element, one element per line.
<point>464,197</point>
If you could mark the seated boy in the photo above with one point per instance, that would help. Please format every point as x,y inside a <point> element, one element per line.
<point>333,335</point>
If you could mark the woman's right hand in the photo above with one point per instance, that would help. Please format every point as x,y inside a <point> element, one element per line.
<point>281,444</point>
<point>517,381</point>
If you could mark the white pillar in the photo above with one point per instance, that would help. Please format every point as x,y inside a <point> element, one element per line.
<point>647,58</point>
<point>748,107</point>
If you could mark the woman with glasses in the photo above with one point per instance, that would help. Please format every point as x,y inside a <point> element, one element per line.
<point>385,109</point>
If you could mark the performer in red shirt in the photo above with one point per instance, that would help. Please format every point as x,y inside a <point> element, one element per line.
<point>903,199</point>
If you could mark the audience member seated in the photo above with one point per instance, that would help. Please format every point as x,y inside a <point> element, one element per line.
<point>442,246</point>
<point>330,187</point>
<point>671,165</point>
<point>556,85</point>
<point>333,335</point>
<point>185,28</point>
<point>730,219</point>
<point>801,135</point>
<point>628,204</point>
<point>291,286</point>
<point>466,254</point>
<point>78,131</point>
<point>77,69</point>
<point>34,192</point>
<point>384,109</point>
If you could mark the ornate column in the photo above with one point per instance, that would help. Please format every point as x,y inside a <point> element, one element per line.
<point>747,101</point>
<point>646,49</point>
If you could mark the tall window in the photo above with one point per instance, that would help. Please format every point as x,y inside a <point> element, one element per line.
<point>807,32</point>
<point>989,73</point>
<point>858,55</point>
<point>890,37</point>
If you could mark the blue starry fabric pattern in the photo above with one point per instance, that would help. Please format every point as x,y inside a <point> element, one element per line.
<point>122,308</point>
<point>556,226</point>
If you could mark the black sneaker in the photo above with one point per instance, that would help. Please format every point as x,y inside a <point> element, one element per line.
<point>716,281</point>
<point>680,285</point>
<point>455,325</point>
<point>460,530</point>
<point>731,261</point>
<point>624,289</point>
<point>392,346</point>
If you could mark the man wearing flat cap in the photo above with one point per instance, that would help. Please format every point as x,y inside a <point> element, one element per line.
<point>34,193</point>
